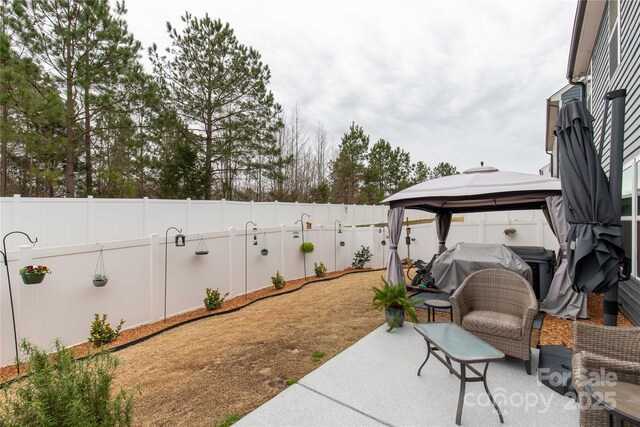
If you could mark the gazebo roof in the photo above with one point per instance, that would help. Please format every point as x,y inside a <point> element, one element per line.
<point>478,189</point>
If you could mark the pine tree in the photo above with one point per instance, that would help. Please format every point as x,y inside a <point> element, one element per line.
<point>86,47</point>
<point>348,169</point>
<point>219,88</point>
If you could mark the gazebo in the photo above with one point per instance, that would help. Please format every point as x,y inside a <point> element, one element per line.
<point>480,190</point>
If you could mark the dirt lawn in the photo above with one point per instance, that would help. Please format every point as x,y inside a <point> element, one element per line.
<point>203,372</point>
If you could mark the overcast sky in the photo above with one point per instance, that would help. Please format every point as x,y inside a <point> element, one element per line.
<point>457,81</point>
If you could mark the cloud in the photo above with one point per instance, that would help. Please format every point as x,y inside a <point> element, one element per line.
<point>458,81</point>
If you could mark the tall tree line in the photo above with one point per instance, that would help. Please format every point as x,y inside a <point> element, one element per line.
<point>80,116</point>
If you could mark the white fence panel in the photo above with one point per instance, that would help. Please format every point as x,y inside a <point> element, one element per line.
<point>64,305</point>
<point>61,222</point>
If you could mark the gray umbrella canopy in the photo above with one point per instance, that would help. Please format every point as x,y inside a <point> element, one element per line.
<point>595,247</point>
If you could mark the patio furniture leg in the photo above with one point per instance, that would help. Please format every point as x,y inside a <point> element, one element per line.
<point>463,383</point>
<point>527,366</point>
<point>427,358</point>
<point>486,388</point>
<point>449,362</point>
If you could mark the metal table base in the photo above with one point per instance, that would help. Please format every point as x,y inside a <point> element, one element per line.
<point>462,376</point>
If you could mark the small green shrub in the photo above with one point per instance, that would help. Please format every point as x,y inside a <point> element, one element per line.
<point>232,419</point>
<point>361,257</point>
<point>101,331</point>
<point>321,270</point>
<point>307,247</point>
<point>291,381</point>
<point>317,356</point>
<point>213,299</point>
<point>277,280</point>
<point>60,391</point>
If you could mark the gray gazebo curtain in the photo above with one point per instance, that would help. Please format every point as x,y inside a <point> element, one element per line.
<point>443,223</point>
<point>562,300</point>
<point>395,274</point>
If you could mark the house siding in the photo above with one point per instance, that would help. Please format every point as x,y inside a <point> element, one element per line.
<point>627,76</point>
<point>574,93</point>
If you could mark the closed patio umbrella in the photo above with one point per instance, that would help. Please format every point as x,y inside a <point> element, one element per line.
<point>594,240</point>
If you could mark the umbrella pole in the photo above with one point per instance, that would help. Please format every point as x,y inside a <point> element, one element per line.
<point>615,188</point>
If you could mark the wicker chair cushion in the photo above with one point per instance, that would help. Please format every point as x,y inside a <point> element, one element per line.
<point>493,323</point>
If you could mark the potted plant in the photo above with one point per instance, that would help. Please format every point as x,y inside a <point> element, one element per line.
<point>264,252</point>
<point>307,247</point>
<point>510,231</point>
<point>33,274</point>
<point>99,280</point>
<point>396,303</point>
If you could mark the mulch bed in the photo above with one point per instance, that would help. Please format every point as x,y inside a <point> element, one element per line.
<point>130,335</point>
<point>556,331</point>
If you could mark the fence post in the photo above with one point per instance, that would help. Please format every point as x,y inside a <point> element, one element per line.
<point>481,231</point>
<point>155,281</point>
<point>283,232</point>
<point>374,247</point>
<point>231,236</point>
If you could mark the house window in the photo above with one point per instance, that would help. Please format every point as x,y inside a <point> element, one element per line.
<point>614,36</point>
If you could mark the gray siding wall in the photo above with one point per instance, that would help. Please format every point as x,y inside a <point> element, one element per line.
<point>627,76</point>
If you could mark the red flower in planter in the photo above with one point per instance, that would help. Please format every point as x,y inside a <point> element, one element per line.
<point>35,269</point>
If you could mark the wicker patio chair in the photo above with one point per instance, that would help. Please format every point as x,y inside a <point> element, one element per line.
<point>595,347</point>
<point>497,306</point>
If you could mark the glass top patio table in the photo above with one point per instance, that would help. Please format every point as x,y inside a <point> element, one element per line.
<point>458,344</point>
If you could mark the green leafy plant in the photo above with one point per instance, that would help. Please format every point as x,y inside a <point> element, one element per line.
<point>321,269</point>
<point>100,277</point>
<point>317,356</point>
<point>510,231</point>
<point>60,391</point>
<point>213,299</point>
<point>396,297</point>
<point>307,247</point>
<point>101,331</point>
<point>291,381</point>
<point>361,257</point>
<point>277,280</point>
<point>35,269</point>
<point>232,419</point>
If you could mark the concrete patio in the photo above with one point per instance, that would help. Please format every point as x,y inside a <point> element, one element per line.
<point>374,382</point>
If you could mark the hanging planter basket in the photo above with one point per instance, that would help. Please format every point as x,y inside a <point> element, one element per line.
<point>98,283</point>
<point>265,250</point>
<point>99,275</point>
<point>32,279</point>
<point>33,274</point>
<point>341,243</point>
<point>202,247</point>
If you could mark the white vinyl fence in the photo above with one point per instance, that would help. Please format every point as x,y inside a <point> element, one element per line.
<point>62,222</point>
<point>64,304</point>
